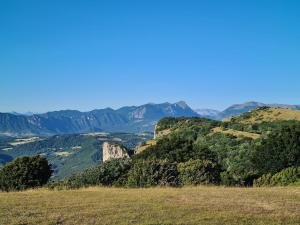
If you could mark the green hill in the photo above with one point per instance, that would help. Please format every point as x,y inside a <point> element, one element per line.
<point>237,145</point>
<point>266,114</point>
<point>68,154</point>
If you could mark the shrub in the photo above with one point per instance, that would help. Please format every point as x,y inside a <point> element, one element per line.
<point>24,173</point>
<point>146,173</point>
<point>283,178</point>
<point>199,171</point>
<point>227,179</point>
<point>263,181</point>
<point>110,173</point>
<point>286,176</point>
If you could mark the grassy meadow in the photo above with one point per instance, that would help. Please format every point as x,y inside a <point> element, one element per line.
<point>154,206</point>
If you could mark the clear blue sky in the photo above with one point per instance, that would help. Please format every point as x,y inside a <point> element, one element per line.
<point>83,55</point>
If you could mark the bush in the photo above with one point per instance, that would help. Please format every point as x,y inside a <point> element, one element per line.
<point>198,171</point>
<point>264,181</point>
<point>146,173</point>
<point>110,173</point>
<point>227,179</point>
<point>283,178</point>
<point>24,173</point>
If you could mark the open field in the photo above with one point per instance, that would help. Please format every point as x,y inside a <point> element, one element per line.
<point>194,205</point>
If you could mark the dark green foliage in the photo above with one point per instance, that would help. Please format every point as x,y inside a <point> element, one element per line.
<point>239,168</point>
<point>172,148</point>
<point>147,173</point>
<point>283,178</point>
<point>110,173</point>
<point>183,122</point>
<point>240,160</point>
<point>24,173</point>
<point>195,172</point>
<point>280,150</point>
<point>180,146</point>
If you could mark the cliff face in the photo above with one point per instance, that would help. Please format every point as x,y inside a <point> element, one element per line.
<point>113,151</point>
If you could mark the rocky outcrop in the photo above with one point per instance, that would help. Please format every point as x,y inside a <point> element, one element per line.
<point>113,151</point>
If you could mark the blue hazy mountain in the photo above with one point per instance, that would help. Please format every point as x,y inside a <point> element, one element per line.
<point>126,119</point>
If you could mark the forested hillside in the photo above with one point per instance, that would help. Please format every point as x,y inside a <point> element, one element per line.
<point>260,148</point>
<point>246,150</point>
<point>68,154</point>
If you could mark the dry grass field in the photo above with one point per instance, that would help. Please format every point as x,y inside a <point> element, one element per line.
<point>235,133</point>
<point>156,206</point>
<point>268,115</point>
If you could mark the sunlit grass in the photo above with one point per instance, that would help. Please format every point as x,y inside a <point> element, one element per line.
<point>190,205</point>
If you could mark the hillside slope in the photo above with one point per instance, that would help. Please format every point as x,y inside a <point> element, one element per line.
<point>242,147</point>
<point>68,154</point>
<point>266,114</point>
<point>238,109</point>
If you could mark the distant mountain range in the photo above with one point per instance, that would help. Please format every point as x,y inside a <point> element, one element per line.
<point>208,113</point>
<point>248,106</point>
<point>126,119</point>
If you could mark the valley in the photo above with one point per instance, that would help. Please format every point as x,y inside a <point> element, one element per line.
<point>69,154</point>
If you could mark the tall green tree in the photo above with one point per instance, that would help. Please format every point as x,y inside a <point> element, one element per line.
<point>280,150</point>
<point>24,173</point>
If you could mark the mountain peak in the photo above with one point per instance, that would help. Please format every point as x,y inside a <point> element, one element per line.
<point>182,104</point>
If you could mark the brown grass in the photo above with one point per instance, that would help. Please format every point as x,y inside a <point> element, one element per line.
<point>235,133</point>
<point>148,144</point>
<point>190,205</point>
<point>269,115</point>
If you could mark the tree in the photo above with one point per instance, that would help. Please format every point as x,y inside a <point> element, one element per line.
<point>146,173</point>
<point>24,173</point>
<point>110,173</point>
<point>280,150</point>
<point>199,171</point>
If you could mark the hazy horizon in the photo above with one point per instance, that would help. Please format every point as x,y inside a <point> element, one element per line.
<point>88,55</point>
<point>116,108</point>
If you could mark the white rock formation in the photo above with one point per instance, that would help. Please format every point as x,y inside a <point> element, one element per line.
<point>113,151</point>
